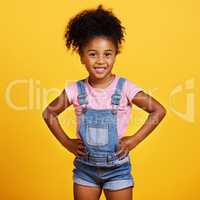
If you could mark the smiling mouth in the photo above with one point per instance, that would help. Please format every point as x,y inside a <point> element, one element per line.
<point>99,69</point>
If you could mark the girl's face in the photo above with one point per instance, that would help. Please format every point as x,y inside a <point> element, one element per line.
<point>98,56</point>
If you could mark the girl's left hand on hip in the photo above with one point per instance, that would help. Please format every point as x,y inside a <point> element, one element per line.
<point>126,144</point>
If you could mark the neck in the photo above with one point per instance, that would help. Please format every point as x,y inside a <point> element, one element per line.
<point>101,83</point>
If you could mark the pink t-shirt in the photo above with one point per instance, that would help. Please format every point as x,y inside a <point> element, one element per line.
<point>101,99</point>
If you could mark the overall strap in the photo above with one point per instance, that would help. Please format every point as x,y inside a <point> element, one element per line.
<point>82,92</point>
<point>117,94</point>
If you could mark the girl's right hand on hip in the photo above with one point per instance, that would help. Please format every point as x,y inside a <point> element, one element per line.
<point>76,146</point>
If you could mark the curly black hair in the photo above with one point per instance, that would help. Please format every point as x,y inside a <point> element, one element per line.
<point>90,23</point>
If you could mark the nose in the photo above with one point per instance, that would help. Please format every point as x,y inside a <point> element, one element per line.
<point>100,60</point>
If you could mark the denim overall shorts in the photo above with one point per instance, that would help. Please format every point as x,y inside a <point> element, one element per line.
<point>100,166</point>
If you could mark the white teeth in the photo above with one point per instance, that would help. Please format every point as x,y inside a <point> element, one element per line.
<point>100,69</point>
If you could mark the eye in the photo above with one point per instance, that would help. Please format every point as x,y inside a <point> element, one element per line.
<point>108,54</point>
<point>92,54</point>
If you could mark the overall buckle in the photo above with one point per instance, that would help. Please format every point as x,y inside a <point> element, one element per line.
<point>114,109</point>
<point>84,108</point>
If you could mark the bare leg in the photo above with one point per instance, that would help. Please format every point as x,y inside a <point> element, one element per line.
<point>125,193</point>
<point>82,192</point>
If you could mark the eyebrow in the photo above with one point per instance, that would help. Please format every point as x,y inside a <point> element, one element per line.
<point>95,50</point>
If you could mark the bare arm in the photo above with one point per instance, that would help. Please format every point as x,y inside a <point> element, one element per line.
<point>156,114</point>
<point>50,116</point>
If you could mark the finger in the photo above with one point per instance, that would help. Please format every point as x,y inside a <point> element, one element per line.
<point>119,146</point>
<point>121,155</point>
<point>81,145</point>
<point>80,142</point>
<point>120,152</point>
<point>82,148</point>
<point>81,153</point>
<point>75,153</point>
<point>125,153</point>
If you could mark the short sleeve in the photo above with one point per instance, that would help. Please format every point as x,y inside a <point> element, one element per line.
<point>131,90</point>
<point>71,92</point>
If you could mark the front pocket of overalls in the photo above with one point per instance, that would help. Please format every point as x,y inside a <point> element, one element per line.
<point>97,136</point>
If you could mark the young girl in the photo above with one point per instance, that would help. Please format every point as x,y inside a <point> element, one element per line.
<point>102,103</point>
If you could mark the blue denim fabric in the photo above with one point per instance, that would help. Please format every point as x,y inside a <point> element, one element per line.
<point>98,130</point>
<point>111,178</point>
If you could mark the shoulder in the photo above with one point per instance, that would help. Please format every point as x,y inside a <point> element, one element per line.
<point>70,85</point>
<point>71,90</point>
<point>129,83</point>
<point>131,88</point>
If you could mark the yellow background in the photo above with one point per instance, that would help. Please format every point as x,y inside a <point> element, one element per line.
<point>161,54</point>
